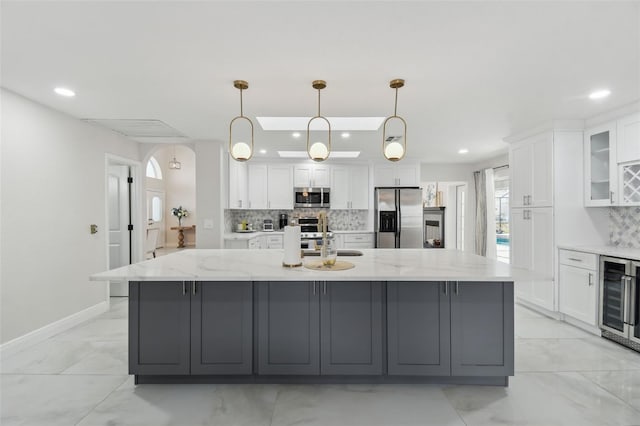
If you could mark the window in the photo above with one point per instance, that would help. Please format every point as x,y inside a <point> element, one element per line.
<point>501,185</point>
<point>156,209</point>
<point>153,169</point>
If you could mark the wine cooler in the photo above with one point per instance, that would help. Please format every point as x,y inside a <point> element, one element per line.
<point>620,301</point>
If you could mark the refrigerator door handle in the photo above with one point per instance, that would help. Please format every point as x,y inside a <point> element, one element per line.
<point>631,301</point>
<point>624,299</point>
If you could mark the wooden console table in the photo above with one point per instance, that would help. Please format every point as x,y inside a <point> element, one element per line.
<point>181,230</point>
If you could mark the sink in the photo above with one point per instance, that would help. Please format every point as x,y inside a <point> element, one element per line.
<point>340,253</point>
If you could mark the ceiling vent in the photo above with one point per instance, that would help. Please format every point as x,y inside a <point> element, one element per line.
<point>138,128</point>
<point>393,138</point>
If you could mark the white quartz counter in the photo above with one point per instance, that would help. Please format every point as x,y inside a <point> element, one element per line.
<point>614,251</point>
<point>264,265</point>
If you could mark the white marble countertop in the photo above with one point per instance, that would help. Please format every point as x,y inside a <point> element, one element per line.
<point>264,265</point>
<point>614,251</point>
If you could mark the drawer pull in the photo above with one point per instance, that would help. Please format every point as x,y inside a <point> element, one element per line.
<point>575,259</point>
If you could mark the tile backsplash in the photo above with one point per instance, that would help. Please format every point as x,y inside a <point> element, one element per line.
<point>339,220</point>
<point>624,226</point>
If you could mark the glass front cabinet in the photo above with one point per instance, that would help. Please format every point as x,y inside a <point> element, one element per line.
<point>600,170</point>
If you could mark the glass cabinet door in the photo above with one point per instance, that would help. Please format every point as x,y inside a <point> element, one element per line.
<point>599,167</point>
<point>612,308</point>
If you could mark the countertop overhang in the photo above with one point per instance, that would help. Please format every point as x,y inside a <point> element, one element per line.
<point>266,265</point>
<point>614,251</point>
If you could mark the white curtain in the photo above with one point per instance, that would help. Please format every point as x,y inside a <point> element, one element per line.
<point>485,213</point>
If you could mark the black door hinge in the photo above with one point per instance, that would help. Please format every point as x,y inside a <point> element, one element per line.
<point>130,227</point>
<point>129,179</point>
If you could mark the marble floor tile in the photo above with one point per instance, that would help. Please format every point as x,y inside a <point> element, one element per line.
<point>546,328</point>
<point>48,357</point>
<point>52,400</point>
<point>109,358</point>
<point>97,330</point>
<point>367,405</point>
<point>185,405</point>
<point>623,384</point>
<point>119,309</point>
<point>541,399</point>
<point>522,312</point>
<point>590,354</point>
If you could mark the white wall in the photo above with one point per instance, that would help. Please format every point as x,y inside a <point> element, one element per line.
<point>181,191</point>
<point>210,181</point>
<point>53,188</point>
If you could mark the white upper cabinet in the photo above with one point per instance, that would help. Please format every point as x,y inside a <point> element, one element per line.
<point>628,143</point>
<point>600,185</point>
<point>396,175</point>
<point>350,187</point>
<point>237,184</point>
<point>531,167</point>
<point>311,176</point>
<point>270,187</point>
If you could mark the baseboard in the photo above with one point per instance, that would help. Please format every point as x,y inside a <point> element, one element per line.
<point>43,333</point>
<point>581,325</point>
<point>538,309</point>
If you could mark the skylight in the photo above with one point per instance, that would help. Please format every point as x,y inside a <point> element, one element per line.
<point>337,123</point>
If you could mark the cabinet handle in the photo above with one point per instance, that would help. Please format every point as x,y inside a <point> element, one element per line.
<point>314,288</point>
<point>324,287</point>
<point>456,288</point>
<point>575,259</point>
<point>240,203</point>
<point>184,288</point>
<point>446,288</point>
<point>590,279</point>
<point>524,200</point>
<point>194,287</point>
<point>611,196</point>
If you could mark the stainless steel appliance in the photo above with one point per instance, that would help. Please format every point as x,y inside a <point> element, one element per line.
<point>311,197</point>
<point>398,218</point>
<point>267,225</point>
<point>433,219</point>
<point>310,233</point>
<point>620,300</point>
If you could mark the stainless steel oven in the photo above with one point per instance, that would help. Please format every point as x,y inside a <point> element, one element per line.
<point>310,233</point>
<point>620,300</point>
<point>311,197</point>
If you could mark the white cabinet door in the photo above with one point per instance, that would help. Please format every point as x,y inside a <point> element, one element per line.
<point>338,240</point>
<point>541,194</point>
<point>358,241</point>
<point>340,188</point>
<point>359,188</point>
<point>280,187</point>
<point>520,167</point>
<point>600,166</point>
<point>237,184</point>
<point>274,241</point>
<point>257,187</point>
<point>541,220</point>
<point>302,176</point>
<point>628,143</point>
<point>521,249</point>
<point>321,177</point>
<point>384,175</point>
<point>629,184</point>
<point>578,293</point>
<point>407,176</point>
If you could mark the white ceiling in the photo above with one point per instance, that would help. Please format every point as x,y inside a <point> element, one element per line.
<point>475,71</point>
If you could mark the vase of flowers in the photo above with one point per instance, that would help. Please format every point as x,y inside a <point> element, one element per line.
<point>179,212</point>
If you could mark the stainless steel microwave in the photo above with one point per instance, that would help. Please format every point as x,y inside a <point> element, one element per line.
<point>311,197</point>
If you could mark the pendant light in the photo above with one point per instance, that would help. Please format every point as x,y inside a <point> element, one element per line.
<point>239,150</point>
<point>174,164</point>
<point>318,151</point>
<point>391,148</point>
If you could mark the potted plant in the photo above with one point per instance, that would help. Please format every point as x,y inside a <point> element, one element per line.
<point>179,212</point>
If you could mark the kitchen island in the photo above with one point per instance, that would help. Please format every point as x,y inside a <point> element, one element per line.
<point>399,316</point>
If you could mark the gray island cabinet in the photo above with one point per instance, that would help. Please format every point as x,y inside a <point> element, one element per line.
<point>399,316</point>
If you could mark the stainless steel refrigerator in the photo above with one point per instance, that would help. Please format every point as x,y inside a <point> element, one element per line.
<point>398,218</point>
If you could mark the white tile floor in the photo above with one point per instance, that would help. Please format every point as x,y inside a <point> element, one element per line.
<point>564,376</point>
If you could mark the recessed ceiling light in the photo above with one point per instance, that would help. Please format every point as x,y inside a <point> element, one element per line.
<point>337,123</point>
<point>63,91</point>
<point>263,151</point>
<point>294,134</point>
<point>333,154</point>
<point>599,94</point>
<point>463,151</point>
<point>345,135</point>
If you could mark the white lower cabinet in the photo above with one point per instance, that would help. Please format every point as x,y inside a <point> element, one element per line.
<point>274,241</point>
<point>578,286</point>
<point>358,241</point>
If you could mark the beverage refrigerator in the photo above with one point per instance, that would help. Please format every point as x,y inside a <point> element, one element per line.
<point>398,217</point>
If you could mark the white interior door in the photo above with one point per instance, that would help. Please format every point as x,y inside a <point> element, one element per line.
<point>155,214</point>
<point>119,217</point>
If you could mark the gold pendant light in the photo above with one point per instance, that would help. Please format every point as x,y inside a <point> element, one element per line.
<point>392,149</point>
<point>318,151</point>
<point>174,164</point>
<point>240,151</point>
